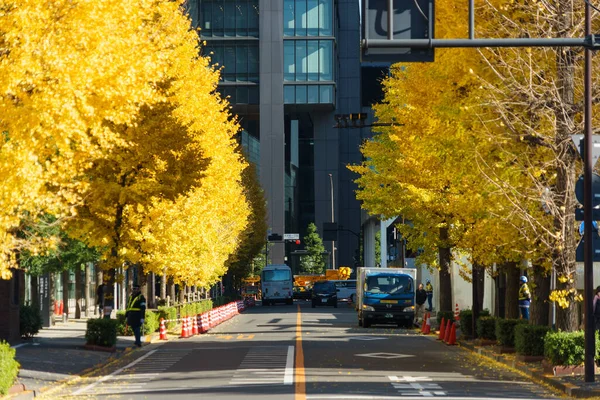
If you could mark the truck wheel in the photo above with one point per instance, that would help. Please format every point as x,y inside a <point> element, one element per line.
<point>335,305</point>
<point>352,298</point>
<point>290,302</point>
<point>366,324</point>
<point>360,323</point>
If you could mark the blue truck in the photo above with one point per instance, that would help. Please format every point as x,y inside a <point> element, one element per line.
<point>386,296</point>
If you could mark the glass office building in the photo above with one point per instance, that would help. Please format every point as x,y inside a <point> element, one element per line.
<point>288,66</point>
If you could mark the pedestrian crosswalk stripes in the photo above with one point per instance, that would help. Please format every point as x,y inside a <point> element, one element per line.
<point>266,366</point>
<point>135,375</point>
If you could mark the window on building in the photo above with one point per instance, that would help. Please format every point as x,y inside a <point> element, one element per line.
<point>228,18</point>
<point>308,60</point>
<point>308,94</point>
<point>308,18</point>
<point>239,59</point>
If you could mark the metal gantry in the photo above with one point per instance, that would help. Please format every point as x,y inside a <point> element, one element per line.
<point>589,42</point>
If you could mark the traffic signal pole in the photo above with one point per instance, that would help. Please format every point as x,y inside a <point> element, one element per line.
<point>590,42</point>
<point>588,265</point>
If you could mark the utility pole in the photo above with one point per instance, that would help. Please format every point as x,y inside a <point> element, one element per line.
<point>332,220</point>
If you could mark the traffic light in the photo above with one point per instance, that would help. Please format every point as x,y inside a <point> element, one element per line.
<point>294,241</point>
<point>297,241</point>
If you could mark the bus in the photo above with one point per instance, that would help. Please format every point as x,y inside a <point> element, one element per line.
<point>276,282</point>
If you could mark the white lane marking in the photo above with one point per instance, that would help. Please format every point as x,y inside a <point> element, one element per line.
<point>16,346</point>
<point>387,356</point>
<point>367,338</point>
<point>117,372</point>
<point>409,378</point>
<point>361,397</point>
<point>288,378</point>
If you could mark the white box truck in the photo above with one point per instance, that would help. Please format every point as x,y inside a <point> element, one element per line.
<point>386,296</point>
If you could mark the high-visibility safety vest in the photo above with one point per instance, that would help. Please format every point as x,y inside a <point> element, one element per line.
<point>524,294</point>
<point>429,288</point>
<point>132,303</point>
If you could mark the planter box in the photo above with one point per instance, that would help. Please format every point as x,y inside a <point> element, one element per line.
<point>100,348</point>
<point>527,359</point>
<point>565,370</point>
<point>504,349</point>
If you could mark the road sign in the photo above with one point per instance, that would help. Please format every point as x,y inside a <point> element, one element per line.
<point>594,227</point>
<point>595,190</point>
<point>409,20</point>
<point>579,256</point>
<point>291,236</point>
<point>579,144</point>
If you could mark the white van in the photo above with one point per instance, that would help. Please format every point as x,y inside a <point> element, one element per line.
<point>346,289</point>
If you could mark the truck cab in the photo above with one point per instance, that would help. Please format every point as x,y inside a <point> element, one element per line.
<point>386,296</point>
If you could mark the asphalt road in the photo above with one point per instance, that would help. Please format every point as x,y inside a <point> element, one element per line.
<point>296,353</point>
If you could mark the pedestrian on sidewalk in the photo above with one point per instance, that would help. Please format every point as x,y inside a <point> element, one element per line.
<point>421,296</point>
<point>429,290</point>
<point>100,297</point>
<point>135,313</point>
<point>524,298</point>
<point>596,309</point>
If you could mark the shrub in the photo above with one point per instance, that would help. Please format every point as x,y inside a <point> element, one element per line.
<point>30,321</point>
<point>101,332</point>
<point>466,321</point>
<point>151,323</point>
<point>122,328</point>
<point>486,328</point>
<point>505,330</point>
<point>566,348</point>
<point>529,339</point>
<point>447,315</point>
<point>168,313</point>
<point>9,367</point>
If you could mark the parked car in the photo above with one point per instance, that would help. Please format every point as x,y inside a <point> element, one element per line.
<point>347,289</point>
<point>302,293</point>
<point>324,293</point>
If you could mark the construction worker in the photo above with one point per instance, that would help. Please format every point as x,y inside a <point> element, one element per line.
<point>135,313</point>
<point>429,290</point>
<point>524,298</point>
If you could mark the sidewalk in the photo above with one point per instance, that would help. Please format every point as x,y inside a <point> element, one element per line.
<point>56,355</point>
<point>572,386</point>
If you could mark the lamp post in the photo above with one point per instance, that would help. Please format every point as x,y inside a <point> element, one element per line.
<point>332,220</point>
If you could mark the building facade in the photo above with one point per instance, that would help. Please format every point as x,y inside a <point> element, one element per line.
<point>288,67</point>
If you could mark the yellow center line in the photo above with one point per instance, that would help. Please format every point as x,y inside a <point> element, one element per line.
<point>299,374</point>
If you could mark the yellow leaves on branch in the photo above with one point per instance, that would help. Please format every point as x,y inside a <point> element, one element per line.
<point>109,117</point>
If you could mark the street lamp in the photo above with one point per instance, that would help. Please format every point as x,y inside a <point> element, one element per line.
<point>332,220</point>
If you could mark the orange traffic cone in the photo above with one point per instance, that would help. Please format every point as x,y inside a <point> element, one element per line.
<point>163,330</point>
<point>423,324</point>
<point>442,329</point>
<point>447,333</point>
<point>184,328</point>
<point>452,339</point>
<point>427,330</point>
<point>194,325</point>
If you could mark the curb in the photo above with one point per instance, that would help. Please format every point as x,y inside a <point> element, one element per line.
<point>565,387</point>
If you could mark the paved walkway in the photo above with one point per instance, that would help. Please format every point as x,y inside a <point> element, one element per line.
<point>57,354</point>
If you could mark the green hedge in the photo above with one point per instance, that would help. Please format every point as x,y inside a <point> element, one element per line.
<point>101,332</point>
<point>30,321</point>
<point>505,330</point>
<point>486,328</point>
<point>529,339</point>
<point>168,313</point>
<point>9,367</point>
<point>566,348</point>
<point>151,323</point>
<point>466,321</point>
<point>447,315</point>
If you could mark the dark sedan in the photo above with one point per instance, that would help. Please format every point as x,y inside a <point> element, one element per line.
<point>324,294</point>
